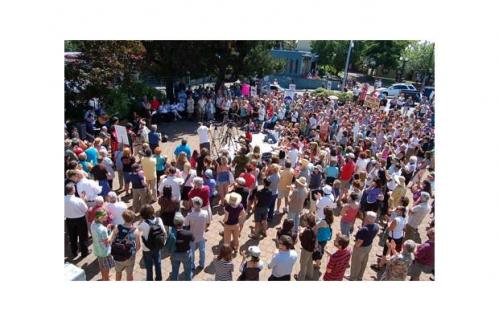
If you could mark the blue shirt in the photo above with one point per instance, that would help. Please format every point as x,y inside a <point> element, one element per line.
<point>154,138</point>
<point>212,184</point>
<point>92,155</point>
<point>332,171</point>
<point>367,233</point>
<point>183,148</point>
<point>160,163</point>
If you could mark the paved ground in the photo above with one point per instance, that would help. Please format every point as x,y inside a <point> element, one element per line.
<point>183,129</point>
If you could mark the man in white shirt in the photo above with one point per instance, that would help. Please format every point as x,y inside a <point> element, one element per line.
<point>115,208</point>
<point>198,221</point>
<point>204,139</point>
<point>75,211</point>
<point>416,216</point>
<point>293,155</point>
<point>283,261</point>
<point>324,201</point>
<point>87,189</point>
<point>171,181</point>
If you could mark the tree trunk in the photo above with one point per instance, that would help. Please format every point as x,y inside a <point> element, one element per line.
<point>170,95</point>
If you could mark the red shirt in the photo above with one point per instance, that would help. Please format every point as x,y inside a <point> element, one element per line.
<point>155,104</point>
<point>250,180</point>
<point>338,264</point>
<point>347,171</point>
<point>249,136</point>
<point>203,192</point>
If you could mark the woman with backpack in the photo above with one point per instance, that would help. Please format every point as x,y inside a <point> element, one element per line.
<point>153,237</point>
<point>125,242</point>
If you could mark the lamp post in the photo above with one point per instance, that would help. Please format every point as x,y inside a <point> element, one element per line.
<point>346,65</point>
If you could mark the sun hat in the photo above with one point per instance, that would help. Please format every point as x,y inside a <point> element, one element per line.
<point>100,213</point>
<point>327,190</point>
<point>208,173</point>
<point>234,199</point>
<point>304,162</point>
<point>240,181</point>
<point>302,181</point>
<point>400,180</point>
<point>254,251</point>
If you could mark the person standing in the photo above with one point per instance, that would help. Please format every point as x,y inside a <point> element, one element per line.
<point>283,261</point>
<point>284,186</point>
<point>297,200</point>
<point>151,229</point>
<point>349,214</point>
<point>204,139</point>
<point>183,147</point>
<point>263,200</point>
<point>126,233</point>
<point>154,137</point>
<point>234,213</point>
<point>75,211</point>
<point>139,189</point>
<point>182,253</point>
<point>398,264</point>
<point>149,167</point>
<point>274,183</point>
<point>416,216</point>
<point>424,260</point>
<point>101,241</point>
<point>346,172</point>
<point>363,244</point>
<point>327,200</point>
<point>101,175</point>
<point>203,192</point>
<point>339,260</point>
<point>308,241</point>
<point>115,208</point>
<point>197,221</point>
<point>223,264</point>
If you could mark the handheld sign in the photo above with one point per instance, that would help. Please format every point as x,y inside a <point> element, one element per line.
<point>371,102</point>
<point>288,96</point>
<point>253,91</point>
<point>121,134</point>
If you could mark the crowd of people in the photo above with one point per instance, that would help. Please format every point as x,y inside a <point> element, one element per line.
<point>333,161</point>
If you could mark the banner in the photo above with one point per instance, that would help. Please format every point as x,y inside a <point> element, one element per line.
<point>371,102</point>
<point>121,134</point>
<point>253,91</point>
<point>289,95</point>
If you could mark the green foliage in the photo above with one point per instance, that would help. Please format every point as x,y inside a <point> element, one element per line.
<point>342,96</point>
<point>385,53</point>
<point>123,100</point>
<point>420,57</point>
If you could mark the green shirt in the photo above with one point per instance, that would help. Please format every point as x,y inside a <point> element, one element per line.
<point>99,235</point>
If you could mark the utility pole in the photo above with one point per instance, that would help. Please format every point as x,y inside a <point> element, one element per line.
<point>350,46</point>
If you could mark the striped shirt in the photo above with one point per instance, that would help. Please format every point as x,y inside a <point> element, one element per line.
<point>223,270</point>
<point>338,263</point>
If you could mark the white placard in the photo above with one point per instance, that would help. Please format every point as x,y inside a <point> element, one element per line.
<point>121,134</point>
<point>253,91</point>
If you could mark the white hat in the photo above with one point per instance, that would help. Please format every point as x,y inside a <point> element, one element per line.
<point>327,190</point>
<point>240,181</point>
<point>233,199</point>
<point>254,251</point>
<point>400,180</point>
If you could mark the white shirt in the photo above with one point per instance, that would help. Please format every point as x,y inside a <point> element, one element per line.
<point>418,214</point>
<point>144,229</point>
<point>74,207</point>
<point>312,122</point>
<point>116,211</point>
<point>293,157</point>
<point>90,187</point>
<point>261,114</point>
<point>282,263</point>
<point>398,232</point>
<point>174,183</point>
<point>322,203</point>
<point>203,134</point>
<point>361,165</point>
<point>197,222</point>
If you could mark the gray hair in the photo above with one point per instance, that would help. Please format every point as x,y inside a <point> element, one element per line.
<point>99,200</point>
<point>425,196</point>
<point>409,246</point>
<point>112,196</point>
<point>178,219</point>
<point>197,201</point>
<point>198,181</point>
<point>154,127</point>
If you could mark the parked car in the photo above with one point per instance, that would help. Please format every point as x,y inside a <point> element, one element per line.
<point>396,89</point>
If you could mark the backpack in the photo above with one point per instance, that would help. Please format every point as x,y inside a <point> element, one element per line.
<point>171,240</point>
<point>122,247</point>
<point>156,238</point>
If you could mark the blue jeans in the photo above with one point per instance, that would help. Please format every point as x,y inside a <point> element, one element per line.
<point>201,246</point>
<point>271,208</point>
<point>152,258</point>
<point>186,259</point>
<point>346,228</point>
<point>296,220</point>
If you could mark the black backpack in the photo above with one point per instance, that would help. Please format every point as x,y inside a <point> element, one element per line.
<point>122,247</point>
<point>156,238</point>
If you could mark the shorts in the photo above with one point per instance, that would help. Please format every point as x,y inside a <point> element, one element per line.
<point>345,184</point>
<point>261,214</point>
<point>106,262</point>
<point>283,193</point>
<point>126,176</point>
<point>416,268</point>
<point>126,265</point>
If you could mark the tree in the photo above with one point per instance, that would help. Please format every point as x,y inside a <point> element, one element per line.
<point>333,54</point>
<point>420,55</point>
<point>385,53</point>
<point>97,69</point>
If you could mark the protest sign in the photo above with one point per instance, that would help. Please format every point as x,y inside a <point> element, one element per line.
<point>371,102</point>
<point>253,91</point>
<point>121,134</point>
